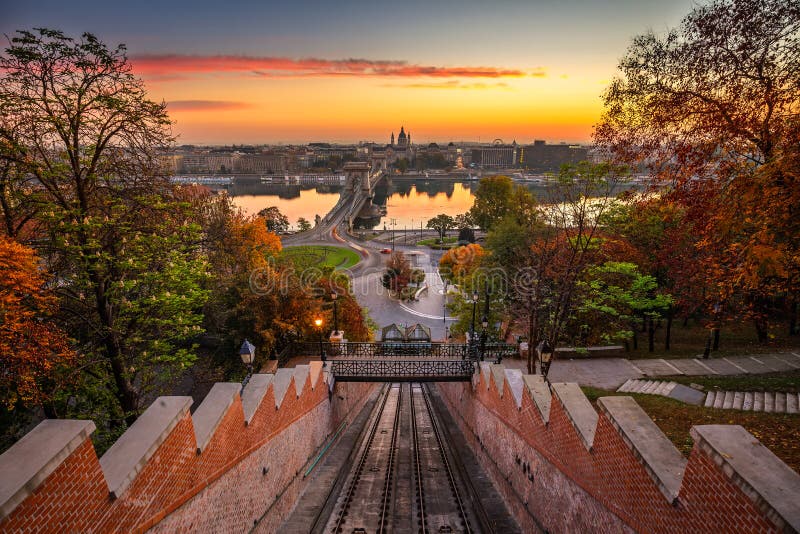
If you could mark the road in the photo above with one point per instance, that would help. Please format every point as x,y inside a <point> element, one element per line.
<point>366,275</point>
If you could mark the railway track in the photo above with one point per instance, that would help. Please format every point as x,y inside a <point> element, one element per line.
<point>402,477</point>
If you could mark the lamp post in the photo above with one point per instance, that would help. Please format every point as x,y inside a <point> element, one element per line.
<point>544,352</point>
<point>485,325</point>
<point>394,223</point>
<point>318,323</point>
<point>247,353</point>
<point>472,325</point>
<point>334,294</point>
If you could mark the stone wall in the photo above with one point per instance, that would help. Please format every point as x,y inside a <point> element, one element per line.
<point>238,460</point>
<point>564,467</point>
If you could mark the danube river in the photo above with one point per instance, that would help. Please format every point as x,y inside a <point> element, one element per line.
<point>408,202</point>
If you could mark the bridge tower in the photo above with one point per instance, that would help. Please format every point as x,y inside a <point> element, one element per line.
<point>358,179</point>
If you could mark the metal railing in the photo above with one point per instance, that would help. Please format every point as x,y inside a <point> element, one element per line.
<point>401,370</point>
<point>389,349</point>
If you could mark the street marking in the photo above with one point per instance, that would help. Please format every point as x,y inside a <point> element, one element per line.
<point>637,369</point>
<point>425,315</point>
<point>742,369</point>
<point>787,362</point>
<point>701,364</point>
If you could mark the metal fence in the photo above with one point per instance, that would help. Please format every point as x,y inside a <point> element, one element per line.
<point>389,349</point>
<point>401,370</point>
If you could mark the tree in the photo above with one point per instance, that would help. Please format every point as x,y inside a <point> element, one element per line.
<point>276,221</point>
<point>441,223</point>
<point>723,87</point>
<point>398,273</point>
<point>303,224</point>
<point>76,119</point>
<point>34,352</point>
<point>492,200</point>
<point>705,107</point>
<point>459,263</point>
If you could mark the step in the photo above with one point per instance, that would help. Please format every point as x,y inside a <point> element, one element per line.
<point>719,399</point>
<point>654,385</point>
<point>669,388</point>
<point>748,401</point>
<point>662,387</point>
<point>758,401</point>
<point>710,399</point>
<point>624,387</point>
<point>645,386</point>
<point>780,402</point>
<point>792,402</point>
<point>769,401</point>
<point>738,400</point>
<point>727,404</point>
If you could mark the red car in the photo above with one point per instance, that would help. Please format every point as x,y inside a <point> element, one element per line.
<point>386,251</point>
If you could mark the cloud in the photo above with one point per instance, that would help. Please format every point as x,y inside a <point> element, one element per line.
<point>205,105</point>
<point>450,84</point>
<point>163,65</point>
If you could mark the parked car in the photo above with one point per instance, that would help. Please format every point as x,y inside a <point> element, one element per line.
<point>386,251</point>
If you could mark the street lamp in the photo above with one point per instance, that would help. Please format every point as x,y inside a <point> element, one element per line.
<point>472,326</point>
<point>248,354</point>
<point>485,325</point>
<point>334,294</point>
<point>318,323</point>
<point>544,352</point>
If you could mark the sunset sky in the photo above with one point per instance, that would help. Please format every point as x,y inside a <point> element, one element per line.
<point>296,72</point>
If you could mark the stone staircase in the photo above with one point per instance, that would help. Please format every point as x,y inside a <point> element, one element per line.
<point>756,401</point>
<point>672,390</point>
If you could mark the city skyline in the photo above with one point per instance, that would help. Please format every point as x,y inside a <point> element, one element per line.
<point>356,71</point>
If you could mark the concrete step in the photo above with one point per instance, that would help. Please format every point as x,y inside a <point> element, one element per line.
<point>748,401</point>
<point>780,402</point>
<point>758,401</point>
<point>720,398</point>
<point>727,403</point>
<point>738,400</point>
<point>624,388</point>
<point>647,386</point>
<point>792,403</point>
<point>659,390</point>
<point>710,399</point>
<point>769,402</point>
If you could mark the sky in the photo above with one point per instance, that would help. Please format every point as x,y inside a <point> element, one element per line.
<point>297,71</point>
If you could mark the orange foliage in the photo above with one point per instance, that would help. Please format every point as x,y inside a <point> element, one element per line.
<point>460,262</point>
<point>31,347</point>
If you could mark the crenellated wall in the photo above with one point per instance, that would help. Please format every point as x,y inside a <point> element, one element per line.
<point>237,461</point>
<point>564,467</point>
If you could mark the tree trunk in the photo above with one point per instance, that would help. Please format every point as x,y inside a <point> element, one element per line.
<point>715,346</point>
<point>761,330</point>
<point>793,330</point>
<point>635,340</point>
<point>651,334</point>
<point>668,332</point>
<point>531,362</point>
<point>686,320</point>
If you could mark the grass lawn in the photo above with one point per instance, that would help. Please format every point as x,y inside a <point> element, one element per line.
<point>449,242</point>
<point>778,432</point>
<point>735,340</point>
<point>322,255</point>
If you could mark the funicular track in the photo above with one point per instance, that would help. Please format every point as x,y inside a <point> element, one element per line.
<point>404,476</point>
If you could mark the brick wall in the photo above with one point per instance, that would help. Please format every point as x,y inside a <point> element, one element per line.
<point>163,480</point>
<point>532,442</point>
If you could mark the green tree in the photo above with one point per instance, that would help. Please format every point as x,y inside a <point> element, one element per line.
<point>441,223</point>
<point>303,224</point>
<point>276,221</point>
<point>492,201</point>
<point>77,120</point>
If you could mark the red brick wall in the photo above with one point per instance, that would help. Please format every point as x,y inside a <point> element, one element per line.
<point>551,481</point>
<point>178,490</point>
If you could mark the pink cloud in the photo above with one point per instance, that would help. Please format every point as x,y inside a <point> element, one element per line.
<point>205,105</point>
<point>166,65</point>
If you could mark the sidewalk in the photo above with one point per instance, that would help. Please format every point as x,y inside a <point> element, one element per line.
<point>610,373</point>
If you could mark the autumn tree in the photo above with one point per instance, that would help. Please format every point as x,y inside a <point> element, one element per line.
<point>398,273</point>
<point>35,353</point>
<point>705,107</point>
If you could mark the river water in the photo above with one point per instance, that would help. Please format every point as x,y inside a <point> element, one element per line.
<point>408,203</point>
